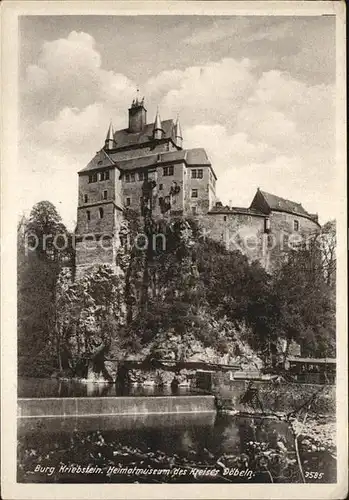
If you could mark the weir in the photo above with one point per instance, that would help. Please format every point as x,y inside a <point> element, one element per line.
<point>114,406</point>
<point>124,423</point>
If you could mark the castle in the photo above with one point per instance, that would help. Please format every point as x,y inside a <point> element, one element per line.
<point>183,183</point>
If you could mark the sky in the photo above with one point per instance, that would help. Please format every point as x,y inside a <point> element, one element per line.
<point>257,92</point>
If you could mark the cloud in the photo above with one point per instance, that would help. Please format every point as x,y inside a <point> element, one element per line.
<point>211,91</point>
<point>69,74</point>
<point>260,128</point>
<point>227,151</point>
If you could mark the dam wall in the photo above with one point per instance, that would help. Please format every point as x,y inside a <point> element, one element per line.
<point>112,406</point>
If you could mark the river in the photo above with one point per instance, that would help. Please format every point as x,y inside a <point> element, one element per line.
<point>176,448</point>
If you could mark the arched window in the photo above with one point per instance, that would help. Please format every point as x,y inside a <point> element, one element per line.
<point>101,212</point>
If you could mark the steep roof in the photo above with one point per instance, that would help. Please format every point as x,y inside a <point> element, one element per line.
<point>104,159</point>
<point>278,203</point>
<point>124,138</point>
<point>266,202</point>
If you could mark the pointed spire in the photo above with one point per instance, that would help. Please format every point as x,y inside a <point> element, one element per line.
<point>109,140</point>
<point>178,133</point>
<point>157,130</point>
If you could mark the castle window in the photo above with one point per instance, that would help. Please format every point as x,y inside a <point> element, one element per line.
<point>161,187</point>
<point>101,212</point>
<point>101,176</point>
<point>85,198</point>
<point>225,218</point>
<point>133,177</point>
<point>128,202</point>
<point>168,170</point>
<point>295,225</point>
<point>88,213</point>
<point>141,176</point>
<point>194,193</point>
<point>127,177</point>
<point>193,210</point>
<point>193,173</point>
<point>267,225</point>
<point>106,175</point>
<point>200,173</point>
<point>92,178</point>
<point>105,195</point>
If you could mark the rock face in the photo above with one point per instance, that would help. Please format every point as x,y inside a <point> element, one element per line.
<point>90,313</point>
<point>148,306</point>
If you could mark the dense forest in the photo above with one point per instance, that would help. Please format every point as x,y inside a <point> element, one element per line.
<point>168,303</point>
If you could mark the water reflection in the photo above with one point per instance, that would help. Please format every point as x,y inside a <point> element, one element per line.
<point>53,388</point>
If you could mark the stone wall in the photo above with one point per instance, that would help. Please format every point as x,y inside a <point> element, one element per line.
<point>95,190</point>
<point>201,204</point>
<point>283,237</point>
<point>238,232</point>
<point>133,190</point>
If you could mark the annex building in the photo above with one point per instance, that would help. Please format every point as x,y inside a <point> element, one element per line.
<point>183,184</point>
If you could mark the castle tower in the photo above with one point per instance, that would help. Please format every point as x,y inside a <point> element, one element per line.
<point>99,214</point>
<point>158,130</point>
<point>178,133</point>
<point>137,116</point>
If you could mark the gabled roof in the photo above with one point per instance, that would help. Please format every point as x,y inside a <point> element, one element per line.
<point>105,159</point>
<point>278,203</point>
<point>267,202</point>
<point>124,138</point>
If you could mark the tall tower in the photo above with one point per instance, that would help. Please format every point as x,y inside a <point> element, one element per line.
<point>137,116</point>
<point>99,213</point>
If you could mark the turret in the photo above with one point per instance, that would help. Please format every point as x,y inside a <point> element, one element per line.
<point>157,130</point>
<point>109,140</point>
<point>178,134</point>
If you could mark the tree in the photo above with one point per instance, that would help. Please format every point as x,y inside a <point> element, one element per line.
<point>39,262</point>
<point>47,235</point>
<point>306,303</point>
